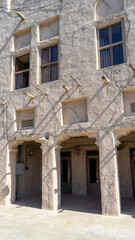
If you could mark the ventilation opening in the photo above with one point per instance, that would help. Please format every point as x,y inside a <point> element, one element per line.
<point>27,124</point>
<point>132,105</point>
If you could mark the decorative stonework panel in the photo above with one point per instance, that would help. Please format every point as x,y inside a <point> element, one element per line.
<point>25,119</point>
<point>75,111</point>
<point>108,7</point>
<point>49,29</point>
<point>22,39</point>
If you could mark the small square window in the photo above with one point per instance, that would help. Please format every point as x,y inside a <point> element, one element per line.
<point>132,105</point>
<point>111,45</point>
<point>49,64</point>
<point>22,71</point>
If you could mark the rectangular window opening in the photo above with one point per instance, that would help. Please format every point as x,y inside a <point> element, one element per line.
<point>49,64</point>
<point>132,105</point>
<point>22,71</point>
<point>111,45</point>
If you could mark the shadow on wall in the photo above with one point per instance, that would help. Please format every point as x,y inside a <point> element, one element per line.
<point>10,36</point>
<point>4,192</point>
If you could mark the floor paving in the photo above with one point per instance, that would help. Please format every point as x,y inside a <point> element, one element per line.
<point>79,219</point>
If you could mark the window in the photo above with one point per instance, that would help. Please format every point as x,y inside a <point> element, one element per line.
<point>25,119</point>
<point>22,71</point>
<point>111,45</point>
<point>49,64</point>
<point>132,105</point>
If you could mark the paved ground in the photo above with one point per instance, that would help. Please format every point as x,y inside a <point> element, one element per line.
<point>23,221</point>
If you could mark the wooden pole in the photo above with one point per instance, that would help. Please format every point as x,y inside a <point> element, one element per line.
<point>40,89</point>
<point>66,88</point>
<point>75,80</point>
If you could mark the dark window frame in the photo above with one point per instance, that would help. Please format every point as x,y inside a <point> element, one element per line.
<point>21,72</point>
<point>50,63</point>
<point>111,45</point>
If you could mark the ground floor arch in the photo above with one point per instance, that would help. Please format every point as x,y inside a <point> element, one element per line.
<point>26,172</point>
<point>80,173</point>
<point>126,165</point>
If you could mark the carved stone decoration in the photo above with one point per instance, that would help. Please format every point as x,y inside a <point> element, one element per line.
<point>108,7</point>
<point>118,133</point>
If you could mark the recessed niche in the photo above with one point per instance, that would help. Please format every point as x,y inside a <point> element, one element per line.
<point>129,102</point>
<point>74,111</point>
<point>22,38</point>
<point>108,7</point>
<point>25,119</point>
<point>49,29</point>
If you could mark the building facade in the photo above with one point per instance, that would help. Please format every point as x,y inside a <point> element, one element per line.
<point>67,100</point>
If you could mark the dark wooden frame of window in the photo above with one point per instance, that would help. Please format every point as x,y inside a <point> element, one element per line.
<point>21,73</point>
<point>111,45</point>
<point>49,64</point>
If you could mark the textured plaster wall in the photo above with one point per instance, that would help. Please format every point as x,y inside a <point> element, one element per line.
<point>78,56</point>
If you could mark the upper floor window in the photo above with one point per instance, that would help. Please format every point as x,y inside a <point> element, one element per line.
<point>22,71</point>
<point>111,45</point>
<point>49,64</point>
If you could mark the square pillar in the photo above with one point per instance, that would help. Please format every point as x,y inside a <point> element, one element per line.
<point>50,175</point>
<point>4,188</point>
<point>109,179</point>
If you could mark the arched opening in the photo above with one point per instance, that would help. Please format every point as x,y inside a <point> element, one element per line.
<point>126,164</point>
<point>29,174</point>
<point>80,176</point>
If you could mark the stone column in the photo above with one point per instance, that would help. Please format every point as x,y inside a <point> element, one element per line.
<point>109,179</point>
<point>4,188</point>
<point>50,160</point>
<point>57,179</point>
<point>11,170</point>
<point>12,175</point>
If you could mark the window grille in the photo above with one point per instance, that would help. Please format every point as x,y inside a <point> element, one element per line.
<point>49,63</point>
<point>132,105</point>
<point>111,45</point>
<point>27,124</point>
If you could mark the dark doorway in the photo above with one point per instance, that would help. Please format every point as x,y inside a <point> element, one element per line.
<point>132,159</point>
<point>66,173</point>
<point>93,180</point>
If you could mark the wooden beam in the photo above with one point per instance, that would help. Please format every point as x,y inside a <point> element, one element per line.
<point>106,80</point>
<point>21,16</point>
<point>66,88</point>
<point>29,95</point>
<point>75,80</point>
<point>2,102</point>
<point>40,89</point>
<point>130,65</point>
